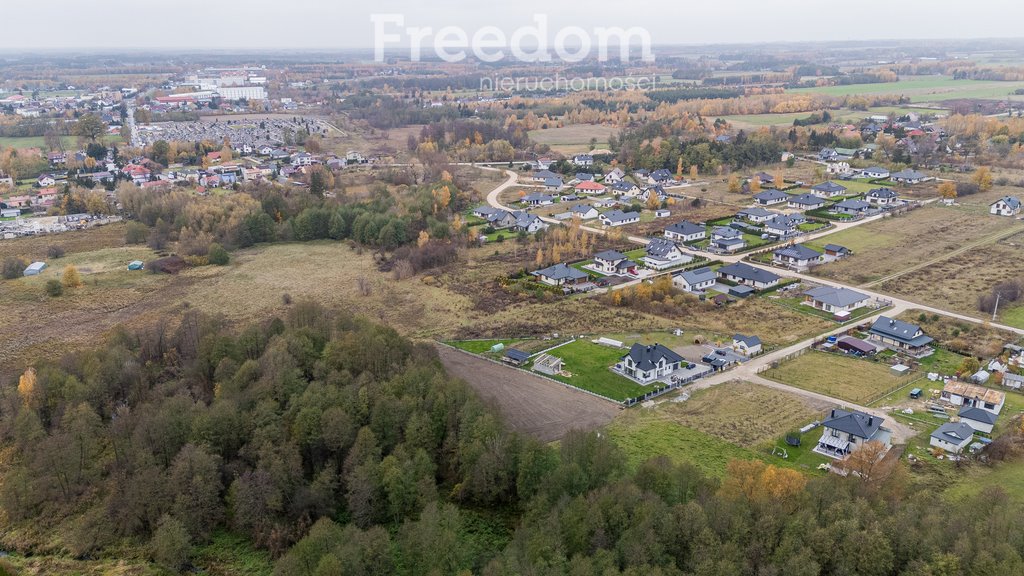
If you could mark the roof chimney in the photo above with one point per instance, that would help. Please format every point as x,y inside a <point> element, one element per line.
<point>833,414</point>
<point>870,420</point>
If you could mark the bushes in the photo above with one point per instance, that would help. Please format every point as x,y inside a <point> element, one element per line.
<point>71,278</point>
<point>14,268</point>
<point>54,288</point>
<point>217,255</point>
<point>55,252</point>
<point>136,233</point>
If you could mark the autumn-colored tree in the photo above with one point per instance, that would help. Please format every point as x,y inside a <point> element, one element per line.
<point>442,196</point>
<point>457,223</point>
<point>679,168</point>
<point>539,260</point>
<point>760,482</point>
<point>755,184</point>
<point>780,180</point>
<point>71,278</point>
<point>948,190</point>
<point>866,462</point>
<point>423,239</point>
<point>734,184</point>
<point>983,178</point>
<point>652,201</point>
<point>27,387</point>
<point>694,172</point>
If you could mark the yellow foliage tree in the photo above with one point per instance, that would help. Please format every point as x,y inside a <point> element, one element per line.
<point>734,184</point>
<point>694,172</point>
<point>539,260</point>
<point>423,239</point>
<point>947,190</point>
<point>755,184</point>
<point>27,387</point>
<point>983,178</point>
<point>71,278</point>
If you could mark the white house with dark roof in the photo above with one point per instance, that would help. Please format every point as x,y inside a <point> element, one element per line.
<point>1005,206</point>
<point>529,223</point>
<point>980,420</point>
<point>543,175</point>
<point>797,257</point>
<point>875,172</point>
<point>619,218</point>
<point>828,189</point>
<point>614,175</point>
<point>685,231</point>
<point>536,199</point>
<point>584,211</point>
<point>835,300</point>
<point>784,225</point>
<point>727,239</point>
<point>560,275</point>
<point>661,254</point>
<point>843,432</point>
<point>695,281</point>
<point>625,189</point>
<point>742,273</point>
<point>882,197</point>
<point>756,214</point>
<point>645,364</point>
<point>952,437</point>
<point>770,197</point>
<point>806,202</point>
<point>614,263</point>
<point>583,160</point>
<point>746,345</point>
<point>908,176</point>
<point>851,207</point>
<point>900,336</point>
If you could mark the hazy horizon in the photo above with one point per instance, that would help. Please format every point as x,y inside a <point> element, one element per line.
<point>324,25</point>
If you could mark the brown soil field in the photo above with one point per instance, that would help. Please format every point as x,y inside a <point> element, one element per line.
<point>530,405</point>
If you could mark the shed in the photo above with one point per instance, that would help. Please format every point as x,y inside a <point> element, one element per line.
<point>900,370</point>
<point>662,213</point>
<point>548,364</point>
<point>515,357</point>
<point>35,268</point>
<point>741,291</point>
<point>498,347</point>
<point>855,346</point>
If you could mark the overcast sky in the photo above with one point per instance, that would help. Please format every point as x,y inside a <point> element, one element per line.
<point>202,24</point>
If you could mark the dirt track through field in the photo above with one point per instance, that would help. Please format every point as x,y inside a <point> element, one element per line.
<point>529,404</point>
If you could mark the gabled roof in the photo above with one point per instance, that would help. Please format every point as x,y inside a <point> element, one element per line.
<point>726,232</point>
<point>561,272</point>
<point>661,174</point>
<point>581,209</point>
<point>799,252</point>
<point>857,423</point>
<point>545,174</point>
<point>876,170</point>
<point>750,341</point>
<point>693,277</point>
<point>908,175</point>
<point>620,216</point>
<point>748,272</point>
<point>836,248</point>
<point>899,330</point>
<point>881,193</point>
<point>954,432</point>
<point>659,247</point>
<point>685,228</point>
<point>610,256</point>
<point>783,222</point>
<point>1012,201</point>
<point>841,297</point>
<point>623,186</point>
<point>977,414</point>
<point>647,357</point>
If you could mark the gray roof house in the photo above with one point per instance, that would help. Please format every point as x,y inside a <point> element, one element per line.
<point>756,214</point>
<point>560,274</point>
<point>748,275</point>
<point>769,197</point>
<point>536,199</point>
<point>806,202</point>
<point>828,189</point>
<point>619,218</point>
<point>835,300</point>
<point>1005,206</point>
<point>695,280</point>
<point>843,432</point>
<point>648,363</point>
<point>852,207</point>
<point>908,176</point>
<point>881,196</point>
<point>977,418</point>
<point>952,437</point>
<point>796,256</point>
<point>746,345</point>
<point>901,336</point>
<point>685,231</point>
<point>662,253</point>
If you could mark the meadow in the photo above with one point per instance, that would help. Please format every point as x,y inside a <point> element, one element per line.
<point>844,377</point>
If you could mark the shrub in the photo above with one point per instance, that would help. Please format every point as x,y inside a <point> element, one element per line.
<point>71,278</point>
<point>170,544</point>
<point>54,288</point>
<point>55,252</point>
<point>136,233</point>
<point>217,255</point>
<point>14,267</point>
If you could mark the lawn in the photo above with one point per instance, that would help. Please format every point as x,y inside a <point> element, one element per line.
<point>481,346</point>
<point>589,367</point>
<point>923,89</point>
<point>1013,316</point>
<point>573,139</point>
<point>843,377</point>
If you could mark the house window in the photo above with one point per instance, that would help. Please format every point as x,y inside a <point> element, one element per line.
<point>835,433</point>
<point>990,406</point>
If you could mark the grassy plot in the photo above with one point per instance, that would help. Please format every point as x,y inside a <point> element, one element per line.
<point>481,346</point>
<point>923,89</point>
<point>844,377</point>
<point>589,367</point>
<point>573,139</point>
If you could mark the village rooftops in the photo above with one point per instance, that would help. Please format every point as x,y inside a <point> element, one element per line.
<point>620,216</point>
<point>856,423</point>
<point>953,432</point>
<point>698,276</point>
<point>978,415</point>
<point>975,392</point>
<point>770,196</point>
<point>659,247</point>
<point>837,297</point>
<point>884,193</point>
<point>750,341</point>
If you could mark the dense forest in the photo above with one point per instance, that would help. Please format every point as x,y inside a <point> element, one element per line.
<point>343,448</point>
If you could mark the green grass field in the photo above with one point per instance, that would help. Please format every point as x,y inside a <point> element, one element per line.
<point>843,377</point>
<point>70,142</point>
<point>481,346</point>
<point>925,89</point>
<point>1013,316</point>
<point>590,367</point>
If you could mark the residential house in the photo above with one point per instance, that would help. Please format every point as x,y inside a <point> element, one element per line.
<point>529,223</point>
<point>835,300</point>
<point>695,281</point>
<point>584,211</point>
<point>485,211</point>
<point>828,189</point>
<point>45,181</point>
<point>908,176</point>
<point>756,215</point>
<point>770,197</point>
<point>1005,206</point>
<point>980,420</point>
<point>685,231</point>
<point>727,239</point>
<point>765,178</point>
<point>746,345</point>
<point>553,184</point>
<point>855,346</point>
<point>783,226</point>
<point>952,437</point>
<point>584,177</point>
<point>589,187</point>
<point>900,336</point>
<point>542,175</point>
<point>828,155</point>
<point>845,431</point>
<point>614,176</point>
<point>614,263</point>
<point>874,172</point>
<point>839,169</point>
<point>721,358</point>
<point>882,197</point>
<point>619,218</point>
<point>851,207</point>
<point>645,364</point>
<point>583,160</point>
<point>806,202</point>
<point>836,251</point>
<point>537,199</point>
<point>963,394</point>
<point>742,273</point>
<point>658,191</point>
<point>661,176</point>
<point>302,159</point>
<point>561,275</point>
<point>797,256</point>
<point>626,189</point>
<point>662,254</point>
<point>1014,381</point>
<point>502,219</point>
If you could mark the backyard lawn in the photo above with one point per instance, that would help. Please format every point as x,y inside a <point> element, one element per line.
<point>847,378</point>
<point>589,367</point>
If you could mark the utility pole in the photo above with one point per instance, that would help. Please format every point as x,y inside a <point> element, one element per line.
<point>996,307</point>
